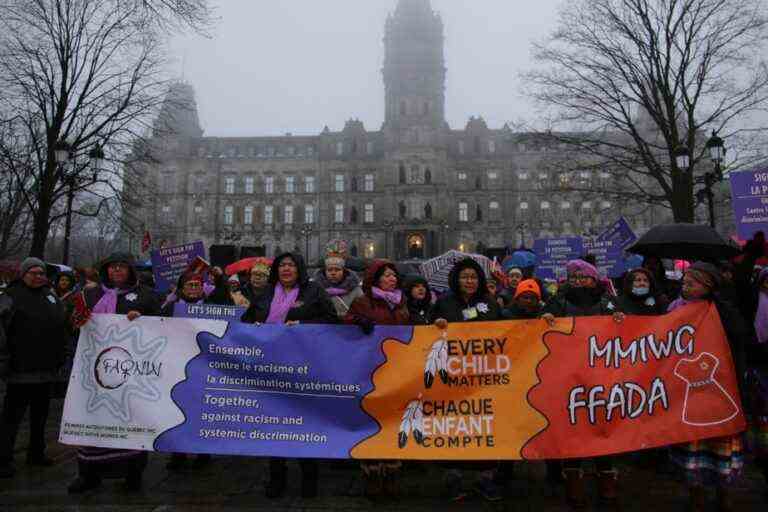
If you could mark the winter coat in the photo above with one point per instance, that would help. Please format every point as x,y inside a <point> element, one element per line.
<point>654,303</point>
<point>350,283</point>
<point>567,303</point>
<point>453,307</point>
<point>369,309</point>
<point>313,306</point>
<point>418,311</point>
<point>513,312</point>
<point>34,334</point>
<point>138,297</point>
<point>220,295</point>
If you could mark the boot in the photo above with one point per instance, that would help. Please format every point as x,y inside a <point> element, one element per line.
<point>574,488</point>
<point>309,478</point>
<point>724,501</point>
<point>275,487</point>
<point>607,486</point>
<point>373,481</point>
<point>696,501</point>
<point>391,480</point>
<point>83,483</point>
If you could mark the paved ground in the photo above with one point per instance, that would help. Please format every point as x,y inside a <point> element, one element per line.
<point>232,484</point>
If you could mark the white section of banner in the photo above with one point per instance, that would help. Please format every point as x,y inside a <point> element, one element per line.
<point>118,366</point>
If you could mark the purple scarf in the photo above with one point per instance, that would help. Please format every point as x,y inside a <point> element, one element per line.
<point>336,292</point>
<point>108,302</point>
<point>761,319</point>
<point>281,304</point>
<point>393,298</point>
<point>680,302</point>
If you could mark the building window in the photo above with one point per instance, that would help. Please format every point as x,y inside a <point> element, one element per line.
<point>249,185</point>
<point>309,184</point>
<point>605,205</point>
<point>229,186</point>
<point>198,210</point>
<point>523,205</point>
<point>491,146</point>
<point>338,183</point>
<point>543,176</point>
<point>309,214</point>
<point>369,147</point>
<point>462,176</point>
<point>493,175</point>
<point>269,185</point>
<point>522,176</point>
<point>494,212</point>
<point>545,205</point>
<point>269,215</point>
<point>605,175</point>
<point>288,214</point>
<point>248,215</point>
<point>289,184</point>
<point>463,212</point>
<point>339,148</point>
<point>565,205</point>
<point>369,183</point>
<point>479,213</point>
<point>229,215</point>
<point>338,213</point>
<point>416,177</point>
<point>461,147</point>
<point>166,216</point>
<point>586,205</point>
<point>401,173</point>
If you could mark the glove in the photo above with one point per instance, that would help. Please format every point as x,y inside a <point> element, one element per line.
<point>365,325</point>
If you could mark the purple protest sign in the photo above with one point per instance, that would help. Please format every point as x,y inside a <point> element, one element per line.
<point>620,232</point>
<point>170,262</point>
<point>208,311</point>
<point>609,256</point>
<point>554,253</point>
<point>749,193</point>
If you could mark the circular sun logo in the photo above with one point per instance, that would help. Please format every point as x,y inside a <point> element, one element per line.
<point>107,368</point>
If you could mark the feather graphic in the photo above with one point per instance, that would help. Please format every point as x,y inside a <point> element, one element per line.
<point>411,422</point>
<point>437,363</point>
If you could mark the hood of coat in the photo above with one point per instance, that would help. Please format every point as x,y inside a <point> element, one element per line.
<point>373,273</point>
<point>453,277</point>
<point>408,284</point>
<point>630,278</point>
<point>118,257</point>
<point>348,283</point>
<point>301,266</point>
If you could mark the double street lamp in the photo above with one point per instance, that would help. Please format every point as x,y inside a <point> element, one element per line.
<point>715,147</point>
<point>306,232</point>
<point>63,153</point>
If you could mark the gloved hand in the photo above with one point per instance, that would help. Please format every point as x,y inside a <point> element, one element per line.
<point>365,325</point>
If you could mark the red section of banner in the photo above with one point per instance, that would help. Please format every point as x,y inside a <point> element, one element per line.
<point>655,381</point>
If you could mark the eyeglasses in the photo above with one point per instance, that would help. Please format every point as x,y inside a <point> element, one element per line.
<point>36,273</point>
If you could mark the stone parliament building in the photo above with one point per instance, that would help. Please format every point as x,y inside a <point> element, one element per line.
<point>413,189</point>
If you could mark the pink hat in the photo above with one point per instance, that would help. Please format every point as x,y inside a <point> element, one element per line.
<point>582,266</point>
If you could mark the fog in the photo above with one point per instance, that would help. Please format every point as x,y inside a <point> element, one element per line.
<point>277,66</point>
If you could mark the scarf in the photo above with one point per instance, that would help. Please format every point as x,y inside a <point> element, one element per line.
<point>680,302</point>
<point>336,292</point>
<point>761,319</point>
<point>393,298</point>
<point>108,302</point>
<point>281,304</point>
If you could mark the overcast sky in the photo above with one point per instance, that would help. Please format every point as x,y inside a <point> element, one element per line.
<point>277,66</point>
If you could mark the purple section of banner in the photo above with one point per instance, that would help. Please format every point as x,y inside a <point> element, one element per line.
<point>170,262</point>
<point>251,393</point>
<point>749,193</point>
<point>208,312</point>
<point>554,253</point>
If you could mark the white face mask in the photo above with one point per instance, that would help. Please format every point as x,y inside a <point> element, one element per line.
<point>641,291</point>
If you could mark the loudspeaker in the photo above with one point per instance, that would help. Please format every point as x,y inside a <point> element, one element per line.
<point>223,255</point>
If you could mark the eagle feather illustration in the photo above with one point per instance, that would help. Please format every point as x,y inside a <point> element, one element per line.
<point>411,423</point>
<point>437,363</point>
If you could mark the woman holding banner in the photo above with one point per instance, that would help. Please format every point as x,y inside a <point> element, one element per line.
<point>468,301</point>
<point>291,299</point>
<point>757,378</point>
<point>585,295</point>
<point>119,293</point>
<point>713,462</point>
<point>382,303</point>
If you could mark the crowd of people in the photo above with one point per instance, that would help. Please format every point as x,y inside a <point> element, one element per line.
<point>40,318</point>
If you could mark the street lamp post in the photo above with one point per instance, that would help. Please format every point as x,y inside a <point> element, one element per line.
<point>387,228</point>
<point>716,148</point>
<point>306,232</point>
<point>521,231</point>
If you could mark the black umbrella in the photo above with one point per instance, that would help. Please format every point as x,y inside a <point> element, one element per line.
<point>690,242</point>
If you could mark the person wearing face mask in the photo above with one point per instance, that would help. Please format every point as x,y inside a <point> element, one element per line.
<point>585,295</point>
<point>419,297</point>
<point>291,299</point>
<point>757,377</point>
<point>714,462</point>
<point>468,301</point>
<point>383,303</point>
<point>34,348</point>
<point>120,293</point>
<point>639,295</point>
<point>340,283</point>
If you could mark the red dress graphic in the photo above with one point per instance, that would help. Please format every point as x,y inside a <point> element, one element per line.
<point>706,400</point>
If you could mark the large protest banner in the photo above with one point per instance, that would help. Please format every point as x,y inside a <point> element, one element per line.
<point>495,390</point>
<point>749,195</point>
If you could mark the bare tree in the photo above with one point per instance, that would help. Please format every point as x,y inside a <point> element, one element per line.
<point>628,82</point>
<point>87,73</point>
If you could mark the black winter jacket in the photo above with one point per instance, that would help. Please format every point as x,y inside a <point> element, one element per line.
<point>453,306</point>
